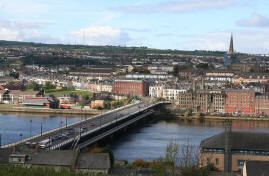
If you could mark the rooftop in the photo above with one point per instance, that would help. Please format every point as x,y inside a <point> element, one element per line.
<point>239,141</point>
<point>53,157</point>
<point>94,161</point>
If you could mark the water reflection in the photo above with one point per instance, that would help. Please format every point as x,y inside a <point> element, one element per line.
<point>149,142</point>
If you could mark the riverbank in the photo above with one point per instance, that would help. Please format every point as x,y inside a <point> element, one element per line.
<point>16,109</point>
<point>219,118</point>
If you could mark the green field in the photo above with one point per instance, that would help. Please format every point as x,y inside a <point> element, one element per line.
<point>61,92</point>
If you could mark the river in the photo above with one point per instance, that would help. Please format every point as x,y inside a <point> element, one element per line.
<point>14,127</point>
<point>147,142</point>
<point>150,142</point>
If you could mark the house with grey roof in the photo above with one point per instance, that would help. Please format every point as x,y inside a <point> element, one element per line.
<point>58,160</point>
<point>245,146</point>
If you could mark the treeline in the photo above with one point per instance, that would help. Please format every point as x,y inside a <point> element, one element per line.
<point>56,60</point>
<point>113,49</point>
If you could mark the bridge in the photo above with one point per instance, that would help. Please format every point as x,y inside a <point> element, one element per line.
<point>89,131</point>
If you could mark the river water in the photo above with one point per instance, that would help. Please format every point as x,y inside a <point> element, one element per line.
<point>14,127</point>
<point>147,142</point>
<point>150,142</point>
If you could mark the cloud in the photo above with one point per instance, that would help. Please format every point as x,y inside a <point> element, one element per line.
<point>247,41</point>
<point>24,31</point>
<point>207,41</point>
<point>178,6</point>
<point>255,20</point>
<point>101,35</point>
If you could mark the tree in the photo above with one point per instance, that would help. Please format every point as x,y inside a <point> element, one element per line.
<point>49,86</point>
<point>171,155</point>
<point>176,70</point>
<point>14,74</point>
<point>202,66</point>
<point>35,86</point>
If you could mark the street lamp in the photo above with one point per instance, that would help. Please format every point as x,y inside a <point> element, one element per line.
<point>41,128</point>
<point>100,121</point>
<point>30,127</point>
<point>66,121</point>
<point>21,135</point>
<point>61,124</point>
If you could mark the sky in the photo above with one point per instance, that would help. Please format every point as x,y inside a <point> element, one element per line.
<point>164,24</point>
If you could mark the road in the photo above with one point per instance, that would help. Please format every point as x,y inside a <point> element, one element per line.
<point>73,131</point>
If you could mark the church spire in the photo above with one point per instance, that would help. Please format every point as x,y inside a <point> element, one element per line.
<point>231,48</point>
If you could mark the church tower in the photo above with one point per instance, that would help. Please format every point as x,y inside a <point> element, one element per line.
<point>231,48</point>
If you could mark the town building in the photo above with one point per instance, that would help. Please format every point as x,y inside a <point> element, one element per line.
<point>201,100</point>
<point>100,86</point>
<point>245,146</point>
<point>217,99</point>
<point>59,160</point>
<point>262,104</point>
<point>185,101</point>
<point>251,79</point>
<point>219,76</point>
<point>240,102</point>
<point>156,91</point>
<point>149,76</point>
<point>98,104</point>
<point>172,93</point>
<point>40,102</point>
<point>18,96</point>
<point>131,87</point>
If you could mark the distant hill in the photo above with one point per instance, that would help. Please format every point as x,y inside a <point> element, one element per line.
<point>112,49</point>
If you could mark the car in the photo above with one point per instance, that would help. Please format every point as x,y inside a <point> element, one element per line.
<point>91,124</point>
<point>45,143</point>
<point>28,143</point>
<point>83,129</point>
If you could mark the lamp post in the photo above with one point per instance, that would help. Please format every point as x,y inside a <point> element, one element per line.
<point>41,128</point>
<point>21,135</point>
<point>100,121</point>
<point>80,128</point>
<point>61,124</point>
<point>30,130</point>
<point>66,121</point>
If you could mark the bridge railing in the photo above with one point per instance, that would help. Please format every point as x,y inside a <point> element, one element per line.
<point>64,127</point>
<point>68,141</point>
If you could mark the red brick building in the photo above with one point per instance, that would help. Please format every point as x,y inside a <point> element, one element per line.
<point>240,101</point>
<point>130,87</point>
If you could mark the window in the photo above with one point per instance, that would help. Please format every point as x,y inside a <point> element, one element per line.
<point>207,160</point>
<point>240,163</point>
<point>217,161</point>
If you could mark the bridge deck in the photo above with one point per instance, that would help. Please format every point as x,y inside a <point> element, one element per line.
<point>60,137</point>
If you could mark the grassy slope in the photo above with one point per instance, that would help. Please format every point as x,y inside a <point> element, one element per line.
<point>60,92</point>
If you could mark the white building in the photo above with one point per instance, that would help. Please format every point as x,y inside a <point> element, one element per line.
<point>148,76</point>
<point>156,91</point>
<point>221,77</point>
<point>172,94</point>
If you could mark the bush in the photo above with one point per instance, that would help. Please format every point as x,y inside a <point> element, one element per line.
<point>141,164</point>
<point>11,170</point>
